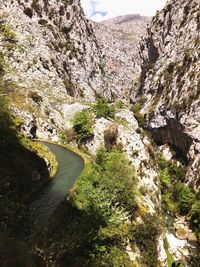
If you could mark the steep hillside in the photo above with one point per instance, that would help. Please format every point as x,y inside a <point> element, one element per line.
<point>170,80</point>
<point>55,56</point>
<point>119,39</point>
<point>22,172</point>
<point>53,50</point>
<point>50,57</point>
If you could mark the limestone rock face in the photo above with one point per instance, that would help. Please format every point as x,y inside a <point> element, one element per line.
<point>119,40</point>
<point>127,136</point>
<point>55,56</point>
<point>170,54</point>
<point>56,51</point>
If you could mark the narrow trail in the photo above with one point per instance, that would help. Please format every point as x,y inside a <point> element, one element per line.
<point>45,202</point>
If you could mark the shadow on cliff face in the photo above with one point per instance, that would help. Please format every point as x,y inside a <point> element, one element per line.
<point>69,238</point>
<point>14,253</point>
<point>173,134</point>
<point>21,173</point>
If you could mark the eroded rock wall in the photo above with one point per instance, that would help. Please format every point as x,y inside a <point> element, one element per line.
<point>169,80</point>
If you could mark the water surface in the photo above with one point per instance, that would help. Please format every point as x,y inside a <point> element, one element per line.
<point>45,202</point>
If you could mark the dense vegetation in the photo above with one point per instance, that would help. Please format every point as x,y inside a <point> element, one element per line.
<point>98,221</point>
<point>82,123</point>
<point>176,195</point>
<point>102,109</point>
<point>178,198</point>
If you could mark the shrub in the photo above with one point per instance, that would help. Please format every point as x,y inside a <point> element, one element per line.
<point>113,257</point>
<point>145,235</point>
<point>195,216</point>
<point>100,157</point>
<point>2,64</point>
<point>119,104</point>
<point>176,173</point>
<point>110,136</point>
<point>82,124</point>
<point>112,175</point>
<point>161,161</point>
<point>177,197</point>
<point>8,34</point>
<point>186,198</point>
<point>136,111</point>
<point>103,109</point>
<point>136,107</point>
<point>67,136</point>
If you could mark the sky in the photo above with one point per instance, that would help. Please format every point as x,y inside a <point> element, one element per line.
<point>104,9</point>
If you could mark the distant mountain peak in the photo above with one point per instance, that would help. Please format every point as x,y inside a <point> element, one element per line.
<point>125,19</point>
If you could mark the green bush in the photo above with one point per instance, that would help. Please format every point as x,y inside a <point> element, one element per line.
<point>175,172</point>
<point>119,104</point>
<point>177,197</point>
<point>145,235</point>
<point>2,64</point>
<point>136,111</point>
<point>162,162</point>
<point>8,34</point>
<point>195,216</point>
<point>136,107</point>
<point>82,124</point>
<point>106,191</point>
<point>165,178</point>
<point>114,257</point>
<point>186,199</point>
<point>103,109</point>
<point>112,175</point>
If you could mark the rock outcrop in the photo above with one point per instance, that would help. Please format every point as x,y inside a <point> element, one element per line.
<point>119,40</point>
<point>55,51</point>
<point>55,56</point>
<point>169,80</point>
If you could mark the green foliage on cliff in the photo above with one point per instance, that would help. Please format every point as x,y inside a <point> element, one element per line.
<point>145,235</point>
<point>176,195</point>
<point>113,178</point>
<point>8,34</point>
<point>97,222</point>
<point>100,208</point>
<point>136,107</point>
<point>102,109</point>
<point>82,124</point>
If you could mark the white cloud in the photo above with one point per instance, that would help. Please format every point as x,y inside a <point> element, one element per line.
<point>112,8</point>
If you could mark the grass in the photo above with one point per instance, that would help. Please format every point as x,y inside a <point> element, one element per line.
<point>170,258</point>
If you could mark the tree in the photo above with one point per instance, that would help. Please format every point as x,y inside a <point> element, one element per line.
<point>103,109</point>
<point>82,124</point>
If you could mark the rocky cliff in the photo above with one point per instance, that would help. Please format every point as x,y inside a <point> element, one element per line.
<point>54,48</point>
<point>119,40</point>
<point>170,78</point>
<point>54,56</point>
